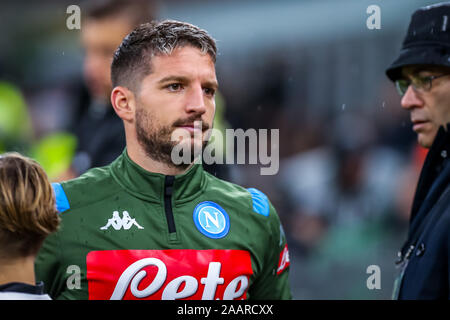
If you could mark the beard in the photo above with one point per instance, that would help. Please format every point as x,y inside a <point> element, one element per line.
<point>156,140</point>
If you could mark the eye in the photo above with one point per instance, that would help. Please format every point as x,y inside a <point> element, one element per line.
<point>421,81</point>
<point>173,87</point>
<point>209,91</point>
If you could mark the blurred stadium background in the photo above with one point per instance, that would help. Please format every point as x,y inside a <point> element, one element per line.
<point>312,69</point>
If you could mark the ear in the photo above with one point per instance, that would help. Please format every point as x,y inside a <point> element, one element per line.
<point>123,102</point>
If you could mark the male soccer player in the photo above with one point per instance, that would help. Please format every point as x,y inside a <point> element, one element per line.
<point>422,76</point>
<point>183,233</point>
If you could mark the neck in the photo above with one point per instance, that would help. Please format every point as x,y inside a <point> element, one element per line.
<point>18,270</point>
<point>138,156</point>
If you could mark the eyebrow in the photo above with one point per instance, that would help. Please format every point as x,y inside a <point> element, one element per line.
<point>213,84</point>
<point>411,71</point>
<point>419,69</point>
<point>173,78</point>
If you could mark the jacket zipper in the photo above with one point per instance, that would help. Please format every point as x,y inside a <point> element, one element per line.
<point>168,188</point>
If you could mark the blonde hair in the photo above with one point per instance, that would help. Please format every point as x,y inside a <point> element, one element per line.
<point>27,206</point>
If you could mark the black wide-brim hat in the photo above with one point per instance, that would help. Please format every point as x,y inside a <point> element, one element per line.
<point>427,41</point>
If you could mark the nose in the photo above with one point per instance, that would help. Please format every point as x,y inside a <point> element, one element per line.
<point>95,65</point>
<point>196,100</point>
<point>90,64</point>
<point>411,99</point>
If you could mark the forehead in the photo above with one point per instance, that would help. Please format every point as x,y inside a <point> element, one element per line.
<point>183,59</point>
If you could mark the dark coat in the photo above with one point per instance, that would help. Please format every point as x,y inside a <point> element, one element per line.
<point>426,275</point>
<point>101,138</point>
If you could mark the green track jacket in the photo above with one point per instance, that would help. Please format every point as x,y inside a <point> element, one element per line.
<point>127,233</point>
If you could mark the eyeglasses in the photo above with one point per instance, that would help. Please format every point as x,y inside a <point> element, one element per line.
<point>419,83</point>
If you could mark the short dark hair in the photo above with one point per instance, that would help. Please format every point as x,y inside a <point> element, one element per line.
<point>137,11</point>
<point>131,61</point>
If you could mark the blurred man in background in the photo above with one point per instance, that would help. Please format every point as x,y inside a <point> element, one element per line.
<point>99,132</point>
<point>422,76</point>
<point>27,216</point>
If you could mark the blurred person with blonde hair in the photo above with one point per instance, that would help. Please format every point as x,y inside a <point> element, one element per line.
<point>27,216</point>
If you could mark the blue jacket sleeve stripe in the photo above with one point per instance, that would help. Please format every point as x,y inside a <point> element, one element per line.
<point>62,204</point>
<point>260,202</point>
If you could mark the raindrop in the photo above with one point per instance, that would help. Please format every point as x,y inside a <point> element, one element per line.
<point>343,107</point>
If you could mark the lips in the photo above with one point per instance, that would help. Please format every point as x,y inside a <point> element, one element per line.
<point>419,124</point>
<point>190,128</point>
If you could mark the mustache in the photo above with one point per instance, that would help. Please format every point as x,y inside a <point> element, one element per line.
<point>190,121</point>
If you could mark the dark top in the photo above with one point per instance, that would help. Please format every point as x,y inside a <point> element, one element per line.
<point>22,291</point>
<point>426,275</point>
<point>101,138</point>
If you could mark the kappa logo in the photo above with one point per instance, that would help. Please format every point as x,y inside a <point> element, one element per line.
<point>126,222</point>
<point>211,220</point>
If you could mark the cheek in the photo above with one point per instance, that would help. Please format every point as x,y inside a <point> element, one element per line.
<point>160,104</point>
<point>446,113</point>
<point>441,111</point>
<point>152,105</point>
<point>210,112</point>
<point>441,105</point>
